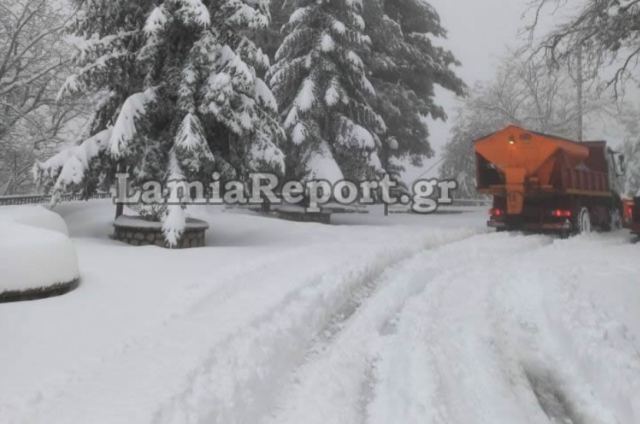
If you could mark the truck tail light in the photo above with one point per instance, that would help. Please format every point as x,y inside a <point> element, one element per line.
<point>561,213</point>
<point>628,212</point>
<point>496,212</point>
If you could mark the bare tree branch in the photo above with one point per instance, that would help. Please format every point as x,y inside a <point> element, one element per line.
<point>608,31</point>
<point>34,62</point>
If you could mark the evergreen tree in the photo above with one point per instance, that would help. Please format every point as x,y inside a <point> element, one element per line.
<point>320,81</point>
<point>271,37</point>
<point>405,68</point>
<point>181,95</point>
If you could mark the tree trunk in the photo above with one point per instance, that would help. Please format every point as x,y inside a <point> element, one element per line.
<point>120,206</point>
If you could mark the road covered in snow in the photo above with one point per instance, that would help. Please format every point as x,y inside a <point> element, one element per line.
<point>401,319</point>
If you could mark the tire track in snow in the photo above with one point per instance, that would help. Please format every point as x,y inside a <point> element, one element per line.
<point>421,362</point>
<point>335,384</point>
<point>467,363</point>
<point>581,364</point>
<point>235,383</point>
<point>188,334</point>
<point>478,346</point>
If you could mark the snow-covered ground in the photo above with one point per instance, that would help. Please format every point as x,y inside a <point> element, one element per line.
<point>400,319</point>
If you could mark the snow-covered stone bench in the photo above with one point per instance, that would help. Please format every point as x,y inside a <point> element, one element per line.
<point>298,214</point>
<point>37,258</point>
<point>140,232</point>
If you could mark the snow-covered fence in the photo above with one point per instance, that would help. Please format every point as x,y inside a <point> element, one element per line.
<point>457,205</point>
<point>471,202</point>
<point>39,199</point>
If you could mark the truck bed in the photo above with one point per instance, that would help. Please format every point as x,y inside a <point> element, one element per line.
<point>589,178</point>
<point>635,219</point>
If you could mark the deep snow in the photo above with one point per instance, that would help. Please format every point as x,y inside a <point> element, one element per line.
<point>35,250</point>
<point>34,216</point>
<point>400,319</point>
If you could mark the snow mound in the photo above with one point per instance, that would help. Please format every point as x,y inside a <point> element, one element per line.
<point>35,251</point>
<point>34,216</point>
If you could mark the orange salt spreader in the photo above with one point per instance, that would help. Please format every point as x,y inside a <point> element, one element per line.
<point>545,182</point>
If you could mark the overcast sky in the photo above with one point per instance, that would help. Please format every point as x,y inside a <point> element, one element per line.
<point>479,33</point>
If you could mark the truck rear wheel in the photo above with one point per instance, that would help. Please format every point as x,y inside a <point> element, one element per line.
<point>583,221</point>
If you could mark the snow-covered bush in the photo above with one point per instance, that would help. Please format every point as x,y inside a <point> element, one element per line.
<point>37,254</point>
<point>34,216</point>
<point>181,95</point>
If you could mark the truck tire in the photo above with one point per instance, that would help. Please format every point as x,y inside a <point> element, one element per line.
<point>583,221</point>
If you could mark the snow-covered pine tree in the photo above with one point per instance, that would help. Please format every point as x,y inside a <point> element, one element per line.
<point>405,68</point>
<point>180,96</point>
<point>320,81</point>
<point>271,37</point>
<point>630,120</point>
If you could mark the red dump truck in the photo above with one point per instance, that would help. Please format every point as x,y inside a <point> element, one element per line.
<point>632,215</point>
<point>544,183</point>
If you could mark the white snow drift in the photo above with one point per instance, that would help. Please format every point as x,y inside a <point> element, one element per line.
<point>35,250</point>
<point>34,216</point>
